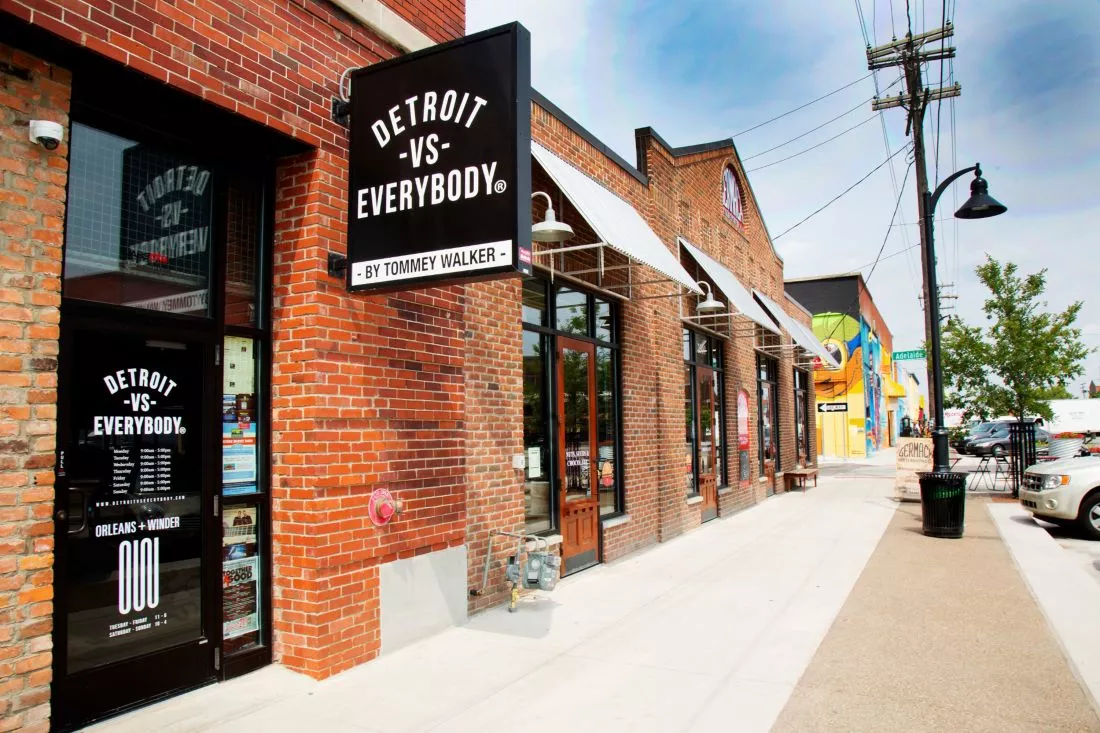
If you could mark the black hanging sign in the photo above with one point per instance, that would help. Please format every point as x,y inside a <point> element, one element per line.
<point>440,171</point>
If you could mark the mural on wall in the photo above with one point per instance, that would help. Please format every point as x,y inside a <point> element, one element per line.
<point>858,383</point>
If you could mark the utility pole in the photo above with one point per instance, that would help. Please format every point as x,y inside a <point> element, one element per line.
<point>908,54</point>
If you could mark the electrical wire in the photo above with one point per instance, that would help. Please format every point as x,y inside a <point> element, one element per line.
<point>878,258</point>
<point>802,106</point>
<point>823,124</point>
<point>885,135</point>
<point>812,147</point>
<point>863,24</point>
<point>939,103</point>
<point>842,193</point>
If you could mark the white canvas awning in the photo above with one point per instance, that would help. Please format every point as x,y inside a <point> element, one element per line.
<point>616,223</point>
<point>738,295</point>
<point>802,336</point>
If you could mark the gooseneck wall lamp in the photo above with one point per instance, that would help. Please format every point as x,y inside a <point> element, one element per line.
<point>709,304</point>
<point>550,229</point>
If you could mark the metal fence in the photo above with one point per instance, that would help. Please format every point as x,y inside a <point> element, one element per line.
<point>1021,436</point>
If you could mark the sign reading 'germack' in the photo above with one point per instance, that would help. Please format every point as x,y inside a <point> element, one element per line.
<point>440,174</point>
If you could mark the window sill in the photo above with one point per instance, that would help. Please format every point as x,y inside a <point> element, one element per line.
<point>725,490</point>
<point>615,521</point>
<point>695,499</point>
<point>762,480</point>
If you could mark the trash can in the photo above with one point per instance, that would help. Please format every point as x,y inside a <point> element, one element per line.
<point>942,503</point>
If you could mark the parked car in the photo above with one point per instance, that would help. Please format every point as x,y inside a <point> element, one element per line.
<point>1065,492</point>
<point>961,444</point>
<point>999,443</point>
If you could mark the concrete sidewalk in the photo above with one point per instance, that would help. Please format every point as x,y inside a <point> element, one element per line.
<point>707,632</point>
<point>792,614</point>
<point>941,635</point>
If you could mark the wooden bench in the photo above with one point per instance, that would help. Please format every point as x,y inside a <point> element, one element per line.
<point>799,475</point>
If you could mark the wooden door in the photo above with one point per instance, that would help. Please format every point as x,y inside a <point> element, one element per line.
<point>707,445</point>
<point>578,497</point>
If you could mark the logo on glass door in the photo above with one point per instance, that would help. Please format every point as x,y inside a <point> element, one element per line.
<point>152,384</point>
<point>138,575</point>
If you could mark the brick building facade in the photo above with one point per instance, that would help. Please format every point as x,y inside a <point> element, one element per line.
<point>420,392</point>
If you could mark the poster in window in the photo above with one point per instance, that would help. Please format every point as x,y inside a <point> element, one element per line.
<point>240,597</point>
<point>239,532</point>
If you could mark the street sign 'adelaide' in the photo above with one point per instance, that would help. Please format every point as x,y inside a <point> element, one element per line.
<point>440,171</point>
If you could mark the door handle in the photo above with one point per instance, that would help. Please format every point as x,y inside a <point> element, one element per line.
<point>61,515</point>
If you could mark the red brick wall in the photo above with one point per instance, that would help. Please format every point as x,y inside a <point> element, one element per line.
<point>276,62</point>
<point>686,200</point>
<point>367,392</point>
<point>494,430</point>
<point>32,209</point>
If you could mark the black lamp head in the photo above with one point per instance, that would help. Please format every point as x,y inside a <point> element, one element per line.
<point>980,205</point>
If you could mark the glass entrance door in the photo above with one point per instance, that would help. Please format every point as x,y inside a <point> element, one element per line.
<point>578,500</point>
<point>134,604</point>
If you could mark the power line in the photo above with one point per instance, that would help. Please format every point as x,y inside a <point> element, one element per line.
<point>842,193</point>
<point>878,258</point>
<point>862,23</point>
<point>939,104</point>
<point>812,147</point>
<point>823,124</point>
<point>897,205</point>
<point>803,106</point>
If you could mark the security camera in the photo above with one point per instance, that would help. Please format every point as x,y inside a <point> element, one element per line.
<point>47,134</point>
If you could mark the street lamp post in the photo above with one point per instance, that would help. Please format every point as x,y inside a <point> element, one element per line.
<point>980,205</point>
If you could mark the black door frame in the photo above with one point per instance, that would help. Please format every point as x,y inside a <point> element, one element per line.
<point>77,700</point>
<point>227,160</point>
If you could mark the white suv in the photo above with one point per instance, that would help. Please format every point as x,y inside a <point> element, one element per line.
<point>1065,492</point>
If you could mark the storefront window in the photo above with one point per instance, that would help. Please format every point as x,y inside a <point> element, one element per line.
<point>571,309</point>
<point>536,433</point>
<point>241,557</point>
<point>603,319</point>
<point>607,424</point>
<point>534,302</point>
<point>704,411</point>
<point>138,225</point>
<point>801,413</point>
<point>767,375</point>
<point>559,356</point>
<point>245,204</point>
<point>689,429</point>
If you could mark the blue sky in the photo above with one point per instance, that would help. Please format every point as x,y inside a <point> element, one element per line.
<point>699,71</point>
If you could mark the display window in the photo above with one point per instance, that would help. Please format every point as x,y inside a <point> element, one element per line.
<point>801,413</point>
<point>162,563</point>
<point>571,413</point>
<point>768,410</point>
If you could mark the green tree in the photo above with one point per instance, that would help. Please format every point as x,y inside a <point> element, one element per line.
<point>1022,358</point>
